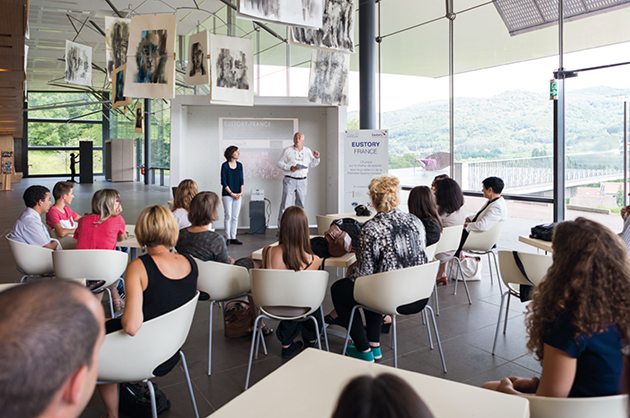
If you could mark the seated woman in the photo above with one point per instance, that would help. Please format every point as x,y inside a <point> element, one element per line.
<point>293,252</point>
<point>186,190</point>
<point>421,203</point>
<point>103,229</point>
<point>579,317</point>
<point>391,240</point>
<point>383,396</point>
<point>450,202</point>
<point>157,283</point>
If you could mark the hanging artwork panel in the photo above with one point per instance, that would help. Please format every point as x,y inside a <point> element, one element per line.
<point>232,72</point>
<point>306,13</point>
<point>118,88</point>
<point>78,64</point>
<point>151,57</point>
<point>139,125</point>
<point>337,32</point>
<point>197,70</point>
<point>329,78</point>
<point>117,41</point>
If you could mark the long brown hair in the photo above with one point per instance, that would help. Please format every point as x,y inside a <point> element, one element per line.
<point>421,203</point>
<point>186,190</point>
<point>588,280</point>
<point>295,238</point>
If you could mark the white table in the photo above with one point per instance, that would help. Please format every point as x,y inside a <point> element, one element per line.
<point>538,243</point>
<point>309,385</point>
<point>344,261</point>
<point>352,215</point>
<point>131,242</point>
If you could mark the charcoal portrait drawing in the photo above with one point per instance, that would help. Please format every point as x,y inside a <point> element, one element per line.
<point>151,57</point>
<point>78,64</point>
<point>329,78</point>
<point>198,67</point>
<point>337,30</point>
<point>117,38</point>
<point>197,61</point>
<point>232,70</point>
<point>118,88</point>
<point>307,13</point>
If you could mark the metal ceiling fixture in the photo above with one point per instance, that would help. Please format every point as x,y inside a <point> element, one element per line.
<point>522,16</point>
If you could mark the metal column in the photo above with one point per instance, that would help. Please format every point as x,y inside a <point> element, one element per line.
<point>451,83</point>
<point>147,141</point>
<point>559,140</point>
<point>367,64</point>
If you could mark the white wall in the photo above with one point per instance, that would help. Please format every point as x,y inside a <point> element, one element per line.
<point>197,154</point>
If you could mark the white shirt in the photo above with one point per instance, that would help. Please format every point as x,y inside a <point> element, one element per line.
<point>292,157</point>
<point>625,234</point>
<point>181,215</point>
<point>29,229</point>
<point>494,213</point>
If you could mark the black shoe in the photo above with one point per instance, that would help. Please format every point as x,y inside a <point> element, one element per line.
<point>292,350</point>
<point>308,344</point>
<point>236,242</point>
<point>228,241</point>
<point>94,284</point>
<point>204,296</point>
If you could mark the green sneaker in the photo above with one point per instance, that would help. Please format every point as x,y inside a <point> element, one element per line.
<point>376,351</point>
<point>353,352</point>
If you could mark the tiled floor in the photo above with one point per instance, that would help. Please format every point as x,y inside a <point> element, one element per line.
<point>466,330</point>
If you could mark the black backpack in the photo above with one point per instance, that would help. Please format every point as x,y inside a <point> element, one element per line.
<point>135,400</point>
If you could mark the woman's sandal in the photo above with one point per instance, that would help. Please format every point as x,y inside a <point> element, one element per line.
<point>118,304</point>
<point>332,321</point>
<point>266,330</point>
<point>442,281</point>
<point>385,326</point>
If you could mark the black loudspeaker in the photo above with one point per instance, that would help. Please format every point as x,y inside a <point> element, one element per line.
<point>86,174</point>
<point>257,217</point>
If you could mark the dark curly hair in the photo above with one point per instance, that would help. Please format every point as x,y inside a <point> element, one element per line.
<point>589,281</point>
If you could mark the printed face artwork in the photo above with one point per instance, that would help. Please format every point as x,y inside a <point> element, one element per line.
<point>151,57</point>
<point>232,70</point>
<point>78,64</point>
<point>120,85</point>
<point>117,38</point>
<point>329,75</point>
<point>197,61</point>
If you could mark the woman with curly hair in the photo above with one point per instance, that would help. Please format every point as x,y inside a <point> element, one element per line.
<point>579,317</point>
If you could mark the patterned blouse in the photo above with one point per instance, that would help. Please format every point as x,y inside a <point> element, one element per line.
<point>206,245</point>
<point>389,241</point>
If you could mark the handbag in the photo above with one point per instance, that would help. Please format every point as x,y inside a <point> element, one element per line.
<point>339,242</point>
<point>239,319</point>
<point>471,268</point>
<point>135,400</point>
<point>543,231</point>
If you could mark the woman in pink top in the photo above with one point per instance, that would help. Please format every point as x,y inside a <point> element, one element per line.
<point>103,229</point>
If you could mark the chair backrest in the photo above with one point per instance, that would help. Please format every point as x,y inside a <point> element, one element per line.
<point>31,259</point>
<point>222,281</point>
<point>430,251</point>
<point>535,265</point>
<point>67,242</point>
<point>288,289</point>
<point>386,291</point>
<point>323,224</point>
<point>106,265</point>
<point>124,358</point>
<point>5,286</point>
<point>603,406</point>
<point>484,241</point>
<point>449,240</point>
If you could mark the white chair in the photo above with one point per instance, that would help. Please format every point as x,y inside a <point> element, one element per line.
<point>32,261</point>
<point>222,282</point>
<point>481,243</point>
<point>386,292</point>
<point>535,266</point>
<point>107,265</point>
<point>430,251</point>
<point>323,224</point>
<point>301,291</point>
<point>123,358</point>
<point>67,242</point>
<point>596,407</point>
<point>449,242</point>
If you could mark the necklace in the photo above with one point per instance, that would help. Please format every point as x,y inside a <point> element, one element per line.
<point>158,252</point>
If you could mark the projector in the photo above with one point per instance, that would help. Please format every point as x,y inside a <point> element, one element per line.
<point>257,194</point>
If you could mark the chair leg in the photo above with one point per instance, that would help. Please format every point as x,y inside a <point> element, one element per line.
<point>345,344</point>
<point>496,266</point>
<point>437,337</point>
<point>251,351</point>
<point>111,302</point>
<point>460,272</point>
<point>457,273</point>
<point>507,310</point>
<point>490,266</point>
<point>425,321</point>
<point>153,405</point>
<point>436,300</point>
<point>395,344</point>
<point>496,333</point>
<point>321,311</point>
<point>189,383</point>
<point>319,340</point>
<point>210,340</point>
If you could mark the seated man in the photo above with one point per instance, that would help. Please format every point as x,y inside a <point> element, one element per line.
<point>29,228</point>
<point>60,218</point>
<point>493,212</point>
<point>50,335</point>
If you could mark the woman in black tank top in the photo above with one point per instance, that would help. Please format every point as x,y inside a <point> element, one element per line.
<point>293,253</point>
<point>156,283</point>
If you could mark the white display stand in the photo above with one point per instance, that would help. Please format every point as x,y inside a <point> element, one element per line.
<point>197,149</point>
<point>119,160</point>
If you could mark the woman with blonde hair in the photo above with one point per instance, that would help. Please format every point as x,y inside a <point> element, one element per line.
<point>157,283</point>
<point>579,317</point>
<point>102,230</point>
<point>186,190</point>
<point>293,252</point>
<point>391,240</point>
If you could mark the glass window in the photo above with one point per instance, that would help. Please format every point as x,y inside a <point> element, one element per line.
<point>56,100</point>
<point>57,162</point>
<point>45,134</point>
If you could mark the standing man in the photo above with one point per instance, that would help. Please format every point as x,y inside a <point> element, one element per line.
<point>295,162</point>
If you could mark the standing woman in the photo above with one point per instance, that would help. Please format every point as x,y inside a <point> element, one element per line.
<point>186,190</point>
<point>421,203</point>
<point>232,183</point>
